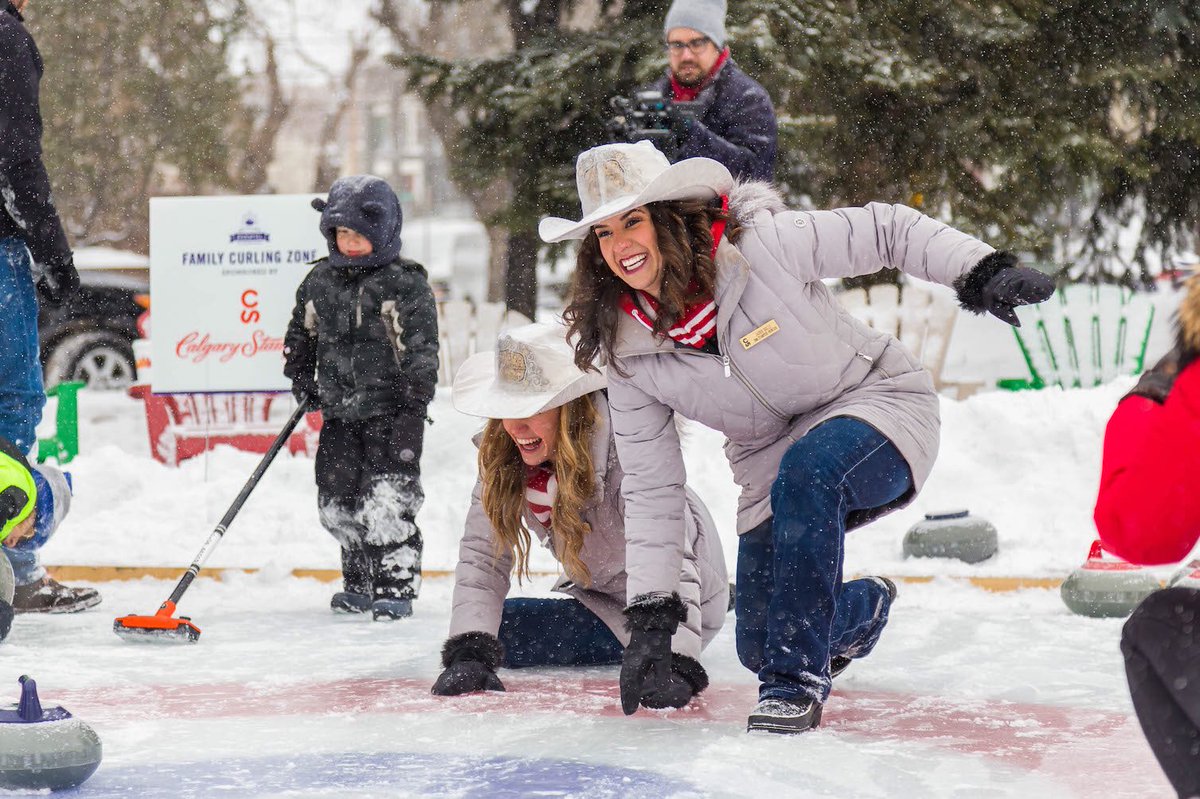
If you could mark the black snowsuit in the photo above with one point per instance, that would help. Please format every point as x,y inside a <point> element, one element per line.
<point>369,331</point>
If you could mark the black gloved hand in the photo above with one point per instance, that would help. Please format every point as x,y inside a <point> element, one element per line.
<point>304,389</point>
<point>680,120</point>
<point>646,675</point>
<point>58,280</point>
<point>997,285</point>
<point>686,679</point>
<point>1156,382</point>
<point>470,661</point>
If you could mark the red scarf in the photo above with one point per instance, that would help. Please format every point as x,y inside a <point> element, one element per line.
<point>689,93</point>
<point>541,486</point>
<point>698,323</point>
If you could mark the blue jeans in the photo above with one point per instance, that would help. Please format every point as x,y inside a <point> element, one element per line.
<point>555,632</point>
<point>793,611</point>
<point>22,394</point>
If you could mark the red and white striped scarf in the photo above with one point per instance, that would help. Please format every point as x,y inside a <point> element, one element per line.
<point>541,486</point>
<point>698,324</point>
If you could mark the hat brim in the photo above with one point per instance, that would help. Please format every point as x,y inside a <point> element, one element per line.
<point>692,178</point>
<point>476,392</point>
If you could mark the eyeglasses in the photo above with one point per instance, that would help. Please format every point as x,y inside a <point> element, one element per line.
<point>696,45</point>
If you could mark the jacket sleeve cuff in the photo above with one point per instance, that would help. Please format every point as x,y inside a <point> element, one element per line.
<point>691,671</point>
<point>969,286</point>
<point>477,646</point>
<point>655,612</point>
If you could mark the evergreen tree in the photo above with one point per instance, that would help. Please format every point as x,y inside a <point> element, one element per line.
<point>1023,122</point>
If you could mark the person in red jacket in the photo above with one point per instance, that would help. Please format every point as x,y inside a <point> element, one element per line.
<point>1148,511</point>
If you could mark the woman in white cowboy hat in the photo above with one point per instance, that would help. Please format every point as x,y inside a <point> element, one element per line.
<point>547,466</point>
<point>705,298</point>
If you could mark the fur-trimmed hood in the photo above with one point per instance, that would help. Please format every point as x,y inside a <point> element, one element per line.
<point>748,197</point>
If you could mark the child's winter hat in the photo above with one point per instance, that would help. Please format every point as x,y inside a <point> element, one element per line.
<point>18,492</point>
<point>368,206</point>
<point>706,16</point>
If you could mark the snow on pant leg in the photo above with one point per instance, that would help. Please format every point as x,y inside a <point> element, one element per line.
<point>22,394</point>
<point>1161,644</point>
<point>555,632</point>
<point>339,474</point>
<point>752,593</point>
<point>840,466</point>
<point>391,482</point>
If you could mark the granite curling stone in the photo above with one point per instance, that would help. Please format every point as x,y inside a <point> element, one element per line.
<point>1106,588</point>
<point>44,749</point>
<point>951,534</point>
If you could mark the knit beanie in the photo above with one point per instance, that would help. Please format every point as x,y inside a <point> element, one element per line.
<point>706,16</point>
<point>368,206</point>
<point>18,492</point>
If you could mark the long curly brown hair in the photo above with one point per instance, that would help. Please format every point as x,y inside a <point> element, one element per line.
<point>503,475</point>
<point>684,229</point>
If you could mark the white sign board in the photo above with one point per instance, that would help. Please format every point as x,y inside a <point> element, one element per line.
<point>223,278</point>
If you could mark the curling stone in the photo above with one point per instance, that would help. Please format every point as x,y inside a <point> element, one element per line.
<point>1106,588</point>
<point>44,749</point>
<point>951,534</point>
<point>1187,576</point>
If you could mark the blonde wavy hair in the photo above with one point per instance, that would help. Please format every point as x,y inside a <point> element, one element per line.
<point>503,474</point>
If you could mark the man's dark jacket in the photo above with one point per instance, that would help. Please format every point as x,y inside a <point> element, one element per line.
<point>26,210</point>
<point>371,335</point>
<point>736,124</point>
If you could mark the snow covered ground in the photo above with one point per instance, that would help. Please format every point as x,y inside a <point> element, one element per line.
<point>968,694</point>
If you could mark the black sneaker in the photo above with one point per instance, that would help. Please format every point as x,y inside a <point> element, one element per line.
<point>391,609</point>
<point>48,595</point>
<point>784,717</point>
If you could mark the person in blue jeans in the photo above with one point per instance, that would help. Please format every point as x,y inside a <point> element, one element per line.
<point>547,468</point>
<point>35,262</point>
<point>705,296</point>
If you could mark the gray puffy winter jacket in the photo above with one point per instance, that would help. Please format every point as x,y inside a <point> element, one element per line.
<point>791,359</point>
<point>482,578</point>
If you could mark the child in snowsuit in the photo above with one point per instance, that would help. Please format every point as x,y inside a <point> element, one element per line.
<point>363,347</point>
<point>33,502</point>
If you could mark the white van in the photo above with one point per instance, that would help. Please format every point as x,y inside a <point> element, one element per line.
<point>454,251</point>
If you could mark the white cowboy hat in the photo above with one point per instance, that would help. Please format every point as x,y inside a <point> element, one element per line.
<point>613,178</point>
<point>531,370</point>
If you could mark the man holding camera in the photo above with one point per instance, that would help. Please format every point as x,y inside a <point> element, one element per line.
<point>731,119</point>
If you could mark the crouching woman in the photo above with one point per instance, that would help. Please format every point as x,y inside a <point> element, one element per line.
<point>548,468</point>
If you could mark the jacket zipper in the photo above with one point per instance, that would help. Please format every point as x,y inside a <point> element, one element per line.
<point>731,367</point>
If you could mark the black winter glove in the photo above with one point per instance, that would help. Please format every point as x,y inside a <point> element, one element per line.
<point>997,285</point>
<point>1156,382</point>
<point>647,674</point>
<point>58,281</point>
<point>304,389</point>
<point>470,661</point>
<point>680,119</point>
<point>6,617</point>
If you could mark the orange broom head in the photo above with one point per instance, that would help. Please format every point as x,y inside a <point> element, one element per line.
<point>162,626</point>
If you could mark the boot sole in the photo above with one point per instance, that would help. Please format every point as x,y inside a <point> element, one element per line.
<point>74,607</point>
<point>779,726</point>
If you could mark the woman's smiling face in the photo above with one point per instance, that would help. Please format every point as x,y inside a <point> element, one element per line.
<point>629,244</point>
<point>536,437</point>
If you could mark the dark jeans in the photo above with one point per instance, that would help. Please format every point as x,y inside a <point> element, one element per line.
<point>1161,643</point>
<point>368,494</point>
<point>555,632</point>
<point>21,393</point>
<point>793,611</point>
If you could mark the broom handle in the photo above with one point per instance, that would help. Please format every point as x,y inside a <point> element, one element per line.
<point>223,525</point>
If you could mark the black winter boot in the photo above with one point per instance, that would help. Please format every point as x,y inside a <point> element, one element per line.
<point>784,717</point>
<point>355,596</point>
<point>47,595</point>
<point>395,577</point>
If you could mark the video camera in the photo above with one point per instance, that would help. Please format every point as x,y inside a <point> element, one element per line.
<point>646,116</point>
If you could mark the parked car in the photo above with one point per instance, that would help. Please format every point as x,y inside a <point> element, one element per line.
<point>90,337</point>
